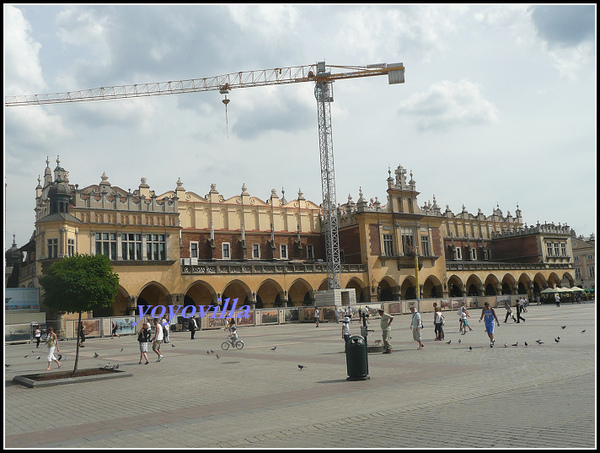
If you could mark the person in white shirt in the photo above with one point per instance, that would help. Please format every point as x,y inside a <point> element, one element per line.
<point>415,326</point>
<point>158,339</point>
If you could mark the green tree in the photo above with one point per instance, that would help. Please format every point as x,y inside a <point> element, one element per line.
<point>80,283</point>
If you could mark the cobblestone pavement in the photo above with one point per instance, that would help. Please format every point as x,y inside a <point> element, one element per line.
<point>443,396</point>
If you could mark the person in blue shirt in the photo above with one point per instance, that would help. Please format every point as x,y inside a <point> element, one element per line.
<point>489,316</point>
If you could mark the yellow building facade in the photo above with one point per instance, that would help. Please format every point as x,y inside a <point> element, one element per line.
<point>183,248</point>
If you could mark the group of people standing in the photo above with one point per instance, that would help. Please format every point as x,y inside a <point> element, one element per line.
<point>161,335</point>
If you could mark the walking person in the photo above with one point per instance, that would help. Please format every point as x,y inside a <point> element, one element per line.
<point>416,326</point>
<point>158,339</point>
<point>165,327</point>
<point>489,316</point>
<point>464,314</point>
<point>346,329</point>
<point>434,318</point>
<point>192,327</point>
<point>509,313</point>
<point>317,312</point>
<point>37,335</point>
<point>52,343</point>
<point>519,317</point>
<point>144,336</point>
<point>113,332</point>
<point>81,335</point>
<point>557,299</point>
<point>386,320</point>
<point>438,322</point>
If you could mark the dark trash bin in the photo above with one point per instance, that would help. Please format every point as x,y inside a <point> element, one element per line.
<point>356,359</point>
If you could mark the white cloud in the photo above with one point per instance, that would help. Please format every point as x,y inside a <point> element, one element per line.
<point>448,104</point>
<point>22,70</point>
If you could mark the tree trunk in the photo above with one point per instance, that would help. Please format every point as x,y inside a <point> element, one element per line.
<point>78,341</point>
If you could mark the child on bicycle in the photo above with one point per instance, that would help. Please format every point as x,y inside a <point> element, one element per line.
<point>233,335</point>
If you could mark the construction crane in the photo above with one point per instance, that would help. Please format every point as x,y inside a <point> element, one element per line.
<point>321,74</point>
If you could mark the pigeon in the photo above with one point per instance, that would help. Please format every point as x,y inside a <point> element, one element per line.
<point>516,344</point>
<point>117,366</point>
<point>557,339</point>
<point>583,331</point>
<point>172,345</point>
<point>562,327</point>
<point>217,356</point>
<point>212,352</point>
<point>505,345</point>
<point>459,340</point>
<point>301,366</point>
<point>208,352</point>
<point>121,349</point>
<point>273,348</point>
<point>6,365</point>
<point>539,341</point>
<point>59,357</point>
<point>470,348</point>
<point>96,355</point>
<point>449,341</point>
<point>526,344</point>
<point>25,356</point>
<point>38,357</point>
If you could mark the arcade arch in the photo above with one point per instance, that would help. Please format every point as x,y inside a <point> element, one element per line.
<point>456,288</point>
<point>300,293</point>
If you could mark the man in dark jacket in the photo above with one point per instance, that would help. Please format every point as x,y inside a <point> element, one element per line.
<point>192,326</point>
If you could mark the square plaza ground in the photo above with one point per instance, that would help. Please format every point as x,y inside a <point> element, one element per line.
<point>443,396</point>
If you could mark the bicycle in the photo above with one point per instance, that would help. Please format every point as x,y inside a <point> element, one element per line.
<point>238,344</point>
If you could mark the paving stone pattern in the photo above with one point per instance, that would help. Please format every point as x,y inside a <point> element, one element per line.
<point>443,396</point>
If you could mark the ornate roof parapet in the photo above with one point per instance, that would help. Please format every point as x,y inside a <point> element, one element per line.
<point>108,197</point>
<point>546,228</point>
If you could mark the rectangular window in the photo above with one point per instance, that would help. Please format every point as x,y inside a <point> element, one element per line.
<point>576,259</point>
<point>563,249</point>
<point>473,254</point>
<point>425,246</point>
<point>52,248</point>
<point>457,253</point>
<point>71,247</point>
<point>106,244</point>
<point>591,272</point>
<point>577,273</point>
<point>131,246</point>
<point>408,241</point>
<point>156,247</point>
<point>255,251</point>
<point>283,252</point>
<point>388,245</point>
<point>556,249</point>
<point>488,254</point>
<point>310,252</point>
<point>193,250</point>
<point>226,250</point>
<point>549,248</point>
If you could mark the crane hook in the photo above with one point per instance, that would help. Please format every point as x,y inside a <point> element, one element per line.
<point>226,101</point>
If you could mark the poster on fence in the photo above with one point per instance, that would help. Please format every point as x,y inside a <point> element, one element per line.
<point>124,325</point>
<point>269,316</point>
<point>22,299</point>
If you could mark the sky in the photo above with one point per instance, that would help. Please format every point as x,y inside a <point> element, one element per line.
<point>498,108</point>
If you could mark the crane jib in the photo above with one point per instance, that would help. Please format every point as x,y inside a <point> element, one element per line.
<point>292,74</point>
